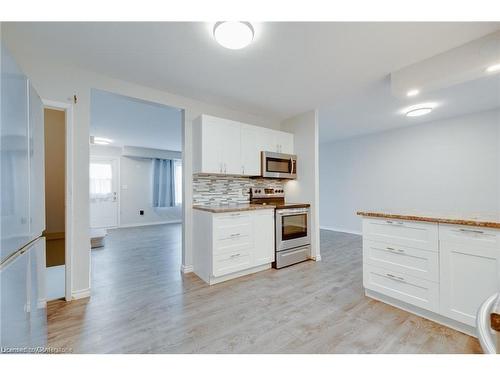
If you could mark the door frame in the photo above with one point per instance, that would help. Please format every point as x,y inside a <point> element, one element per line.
<point>116,159</point>
<point>67,108</point>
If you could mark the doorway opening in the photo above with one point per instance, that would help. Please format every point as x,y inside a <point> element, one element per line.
<point>135,186</point>
<point>55,198</point>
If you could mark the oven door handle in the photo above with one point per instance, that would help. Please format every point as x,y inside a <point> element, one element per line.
<point>292,213</point>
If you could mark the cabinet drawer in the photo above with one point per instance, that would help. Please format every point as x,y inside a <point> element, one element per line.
<point>404,233</point>
<point>231,232</point>
<point>472,237</point>
<point>413,290</point>
<point>233,244</point>
<point>403,259</point>
<point>232,218</point>
<point>230,262</point>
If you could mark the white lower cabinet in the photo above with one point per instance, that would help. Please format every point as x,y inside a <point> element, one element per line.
<point>470,260</point>
<point>228,245</point>
<point>406,288</point>
<point>448,270</point>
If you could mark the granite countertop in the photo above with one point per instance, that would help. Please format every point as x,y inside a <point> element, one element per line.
<point>232,207</point>
<point>487,220</point>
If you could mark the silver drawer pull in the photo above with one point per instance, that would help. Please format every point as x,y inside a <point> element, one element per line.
<point>235,235</point>
<point>394,222</point>
<point>236,214</point>
<point>391,249</point>
<point>235,255</point>
<point>471,231</point>
<point>391,276</point>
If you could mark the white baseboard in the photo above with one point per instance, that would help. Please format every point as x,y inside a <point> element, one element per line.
<point>78,294</point>
<point>341,230</point>
<point>186,269</point>
<point>150,223</point>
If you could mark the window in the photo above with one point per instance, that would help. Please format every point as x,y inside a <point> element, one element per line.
<point>101,181</point>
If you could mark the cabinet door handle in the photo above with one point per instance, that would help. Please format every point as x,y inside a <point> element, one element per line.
<point>225,168</point>
<point>391,276</point>
<point>394,222</point>
<point>471,231</point>
<point>235,235</point>
<point>393,250</point>
<point>235,255</point>
<point>243,169</point>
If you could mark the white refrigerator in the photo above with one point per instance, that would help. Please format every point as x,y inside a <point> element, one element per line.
<point>22,212</point>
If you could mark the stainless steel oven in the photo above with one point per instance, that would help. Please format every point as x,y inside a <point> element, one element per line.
<point>276,165</point>
<point>293,236</point>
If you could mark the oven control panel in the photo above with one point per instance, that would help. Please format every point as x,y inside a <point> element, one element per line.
<point>257,192</point>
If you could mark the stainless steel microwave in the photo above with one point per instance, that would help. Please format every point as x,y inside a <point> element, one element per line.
<point>277,165</point>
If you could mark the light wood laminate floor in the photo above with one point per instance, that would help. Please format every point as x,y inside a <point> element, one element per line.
<point>141,303</point>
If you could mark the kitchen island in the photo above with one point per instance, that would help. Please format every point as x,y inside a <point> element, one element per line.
<point>439,266</point>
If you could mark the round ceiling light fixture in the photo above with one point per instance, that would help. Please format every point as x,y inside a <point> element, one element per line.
<point>419,109</point>
<point>413,92</point>
<point>493,68</point>
<point>233,34</point>
<point>418,112</point>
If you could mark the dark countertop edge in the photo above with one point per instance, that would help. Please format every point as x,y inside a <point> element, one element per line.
<point>430,219</point>
<point>217,210</point>
<point>293,205</point>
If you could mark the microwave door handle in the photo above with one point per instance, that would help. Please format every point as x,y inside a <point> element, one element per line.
<point>291,165</point>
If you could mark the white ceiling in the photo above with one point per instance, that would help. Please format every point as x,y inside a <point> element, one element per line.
<point>132,122</point>
<point>289,68</point>
<point>375,109</point>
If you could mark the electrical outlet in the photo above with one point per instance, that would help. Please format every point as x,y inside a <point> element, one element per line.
<point>141,212</point>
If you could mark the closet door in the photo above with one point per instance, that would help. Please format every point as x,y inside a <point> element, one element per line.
<point>14,134</point>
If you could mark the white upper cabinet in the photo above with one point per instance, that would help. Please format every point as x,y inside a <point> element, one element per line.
<point>231,149</point>
<point>216,146</point>
<point>275,141</point>
<point>250,153</point>
<point>222,146</point>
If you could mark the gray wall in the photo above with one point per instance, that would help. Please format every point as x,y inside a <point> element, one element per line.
<point>450,166</point>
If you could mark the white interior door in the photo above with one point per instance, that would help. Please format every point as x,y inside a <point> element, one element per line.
<point>103,193</point>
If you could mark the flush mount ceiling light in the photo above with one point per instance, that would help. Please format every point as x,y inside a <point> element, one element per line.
<point>493,68</point>
<point>419,109</point>
<point>233,34</point>
<point>413,92</point>
<point>100,141</point>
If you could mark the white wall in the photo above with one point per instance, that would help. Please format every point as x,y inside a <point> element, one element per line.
<point>305,189</point>
<point>136,176</point>
<point>136,192</point>
<point>450,166</point>
<point>57,82</point>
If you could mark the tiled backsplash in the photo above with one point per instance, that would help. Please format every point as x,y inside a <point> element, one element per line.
<point>228,189</point>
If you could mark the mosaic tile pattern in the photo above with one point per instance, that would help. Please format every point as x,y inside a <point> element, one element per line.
<point>216,190</point>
